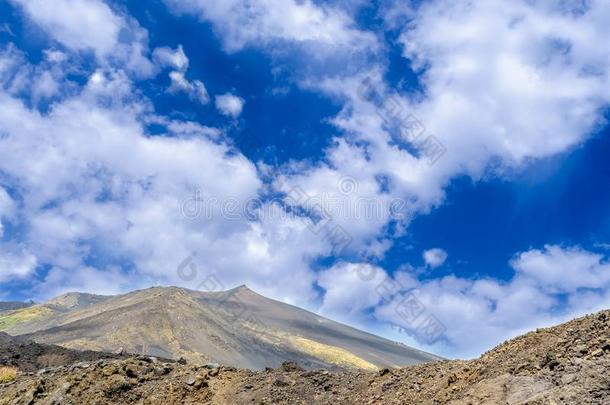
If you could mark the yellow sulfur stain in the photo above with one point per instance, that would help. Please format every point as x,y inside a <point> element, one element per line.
<point>7,374</point>
<point>331,354</point>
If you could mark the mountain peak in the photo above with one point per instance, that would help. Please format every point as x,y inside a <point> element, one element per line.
<point>74,300</point>
<point>244,290</point>
<point>237,327</point>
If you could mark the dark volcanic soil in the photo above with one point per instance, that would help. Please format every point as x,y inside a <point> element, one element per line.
<point>29,356</point>
<point>567,364</point>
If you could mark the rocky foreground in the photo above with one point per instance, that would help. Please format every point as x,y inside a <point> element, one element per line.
<point>567,364</point>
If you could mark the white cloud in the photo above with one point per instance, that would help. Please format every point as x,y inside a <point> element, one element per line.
<point>45,81</point>
<point>263,22</point>
<point>549,286</point>
<point>503,83</point>
<point>46,86</point>
<point>55,56</point>
<point>434,257</point>
<point>15,262</point>
<point>177,60</point>
<point>77,24</point>
<point>14,73</point>
<point>188,128</point>
<point>196,89</point>
<point>526,74</point>
<point>91,25</point>
<point>348,292</point>
<point>96,184</point>
<point>167,57</point>
<point>7,208</point>
<point>559,270</point>
<point>229,104</point>
<point>105,281</point>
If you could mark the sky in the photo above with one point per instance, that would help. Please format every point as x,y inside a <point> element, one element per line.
<point>426,170</point>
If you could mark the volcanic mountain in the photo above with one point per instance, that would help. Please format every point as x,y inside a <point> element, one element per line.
<point>566,364</point>
<point>237,327</point>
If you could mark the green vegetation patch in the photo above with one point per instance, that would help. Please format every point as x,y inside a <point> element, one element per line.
<point>11,319</point>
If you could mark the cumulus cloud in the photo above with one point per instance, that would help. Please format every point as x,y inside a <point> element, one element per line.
<point>535,87</point>
<point>103,281</point>
<point>76,214</point>
<point>348,290</point>
<point>548,286</point>
<point>560,270</point>
<point>16,262</point>
<point>91,25</point>
<point>71,22</point>
<point>528,71</point>
<point>241,23</point>
<point>167,57</point>
<point>229,104</point>
<point>42,82</point>
<point>434,257</point>
<point>502,83</point>
<point>194,89</point>
<point>96,184</point>
<point>7,208</point>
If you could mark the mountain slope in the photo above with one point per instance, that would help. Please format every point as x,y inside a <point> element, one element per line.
<point>566,364</point>
<point>236,327</point>
<point>37,317</point>
<point>13,305</point>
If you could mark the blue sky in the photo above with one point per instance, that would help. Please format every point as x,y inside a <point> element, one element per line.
<point>134,136</point>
